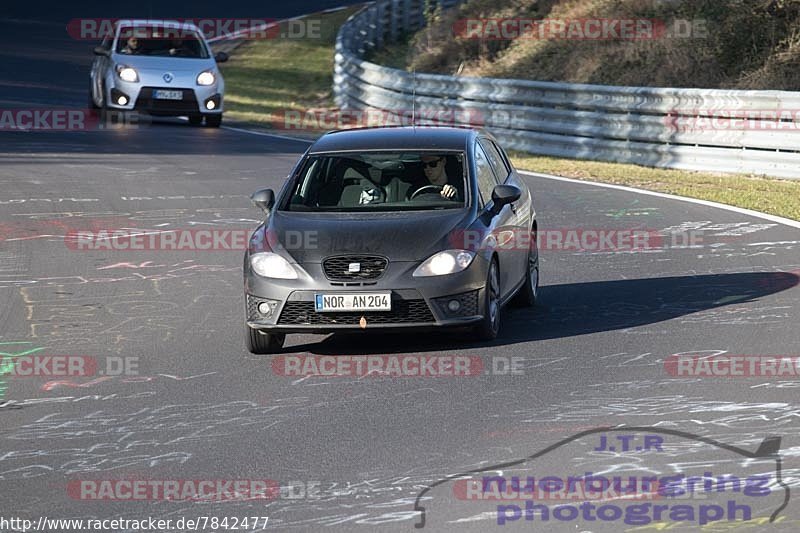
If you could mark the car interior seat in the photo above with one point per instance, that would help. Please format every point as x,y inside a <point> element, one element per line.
<point>360,187</point>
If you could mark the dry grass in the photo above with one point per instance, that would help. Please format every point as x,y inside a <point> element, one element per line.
<point>749,44</point>
<point>265,79</point>
<point>768,195</point>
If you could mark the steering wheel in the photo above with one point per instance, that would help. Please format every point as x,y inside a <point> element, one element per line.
<point>418,191</point>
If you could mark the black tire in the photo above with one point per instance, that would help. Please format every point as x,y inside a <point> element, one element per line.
<point>103,111</point>
<point>92,105</point>
<point>195,120</point>
<point>214,121</point>
<point>262,343</point>
<point>489,327</point>
<point>529,292</point>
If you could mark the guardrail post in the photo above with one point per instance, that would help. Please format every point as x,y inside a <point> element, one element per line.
<point>406,13</point>
<point>393,21</point>
<point>380,25</point>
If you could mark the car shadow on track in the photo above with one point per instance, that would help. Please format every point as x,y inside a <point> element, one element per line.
<point>574,309</point>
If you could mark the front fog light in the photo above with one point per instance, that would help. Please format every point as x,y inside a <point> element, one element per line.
<point>213,103</point>
<point>267,309</point>
<point>454,305</point>
<point>119,98</point>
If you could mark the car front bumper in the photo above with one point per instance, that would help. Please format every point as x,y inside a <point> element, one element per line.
<point>140,97</point>
<point>416,302</point>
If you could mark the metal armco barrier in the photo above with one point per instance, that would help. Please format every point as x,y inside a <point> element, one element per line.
<point>753,132</point>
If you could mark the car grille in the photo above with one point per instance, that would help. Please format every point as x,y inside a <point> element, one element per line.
<point>337,268</point>
<point>403,312</point>
<point>146,102</point>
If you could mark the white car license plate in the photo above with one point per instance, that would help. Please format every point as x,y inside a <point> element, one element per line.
<point>167,95</point>
<point>366,301</point>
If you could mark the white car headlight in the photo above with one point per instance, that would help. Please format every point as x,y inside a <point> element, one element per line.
<point>127,73</point>
<point>447,262</point>
<point>271,265</point>
<point>205,78</point>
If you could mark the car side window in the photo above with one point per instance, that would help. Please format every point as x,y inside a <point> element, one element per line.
<point>496,160</point>
<point>504,154</point>
<point>486,178</point>
<point>106,44</point>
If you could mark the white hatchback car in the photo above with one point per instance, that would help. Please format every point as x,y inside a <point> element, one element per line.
<point>161,68</point>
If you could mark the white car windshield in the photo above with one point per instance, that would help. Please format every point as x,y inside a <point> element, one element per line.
<point>161,42</point>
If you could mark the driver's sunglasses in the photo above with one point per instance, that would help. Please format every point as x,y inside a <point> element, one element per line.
<point>431,164</point>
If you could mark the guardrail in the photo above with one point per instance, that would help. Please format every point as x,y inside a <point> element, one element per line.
<point>753,132</point>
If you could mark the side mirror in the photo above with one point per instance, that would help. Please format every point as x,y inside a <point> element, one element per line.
<point>100,51</point>
<point>264,199</point>
<point>505,194</point>
<point>221,57</point>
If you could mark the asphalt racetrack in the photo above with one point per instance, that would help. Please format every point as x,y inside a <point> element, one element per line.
<point>351,453</point>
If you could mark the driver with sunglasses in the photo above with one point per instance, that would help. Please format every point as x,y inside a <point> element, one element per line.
<point>434,167</point>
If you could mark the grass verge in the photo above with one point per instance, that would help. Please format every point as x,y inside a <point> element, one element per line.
<point>264,79</point>
<point>768,195</point>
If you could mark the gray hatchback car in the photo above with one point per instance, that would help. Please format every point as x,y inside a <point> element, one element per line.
<point>399,227</point>
<point>158,67</point>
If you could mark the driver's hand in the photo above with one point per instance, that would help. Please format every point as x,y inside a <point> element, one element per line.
<point>448,191</point>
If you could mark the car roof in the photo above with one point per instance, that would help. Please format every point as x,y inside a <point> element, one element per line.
<point>389,138</point>
<point>143,23</point>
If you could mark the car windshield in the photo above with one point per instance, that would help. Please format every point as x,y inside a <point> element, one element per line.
<point>385,181</point>
<point>161,42</point>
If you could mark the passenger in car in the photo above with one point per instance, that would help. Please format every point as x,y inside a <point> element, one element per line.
<point>132,46</point>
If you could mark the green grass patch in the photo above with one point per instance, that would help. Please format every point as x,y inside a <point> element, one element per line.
<point>266,78</point>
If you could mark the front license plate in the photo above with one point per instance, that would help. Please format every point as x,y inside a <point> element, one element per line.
<point>167,95</point>
<point>372,301</point>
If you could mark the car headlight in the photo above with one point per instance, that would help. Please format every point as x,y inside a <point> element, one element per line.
<point>271,265</point>
<point>205,78</point>
<point>447,262</point>
<point>127,73</point>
